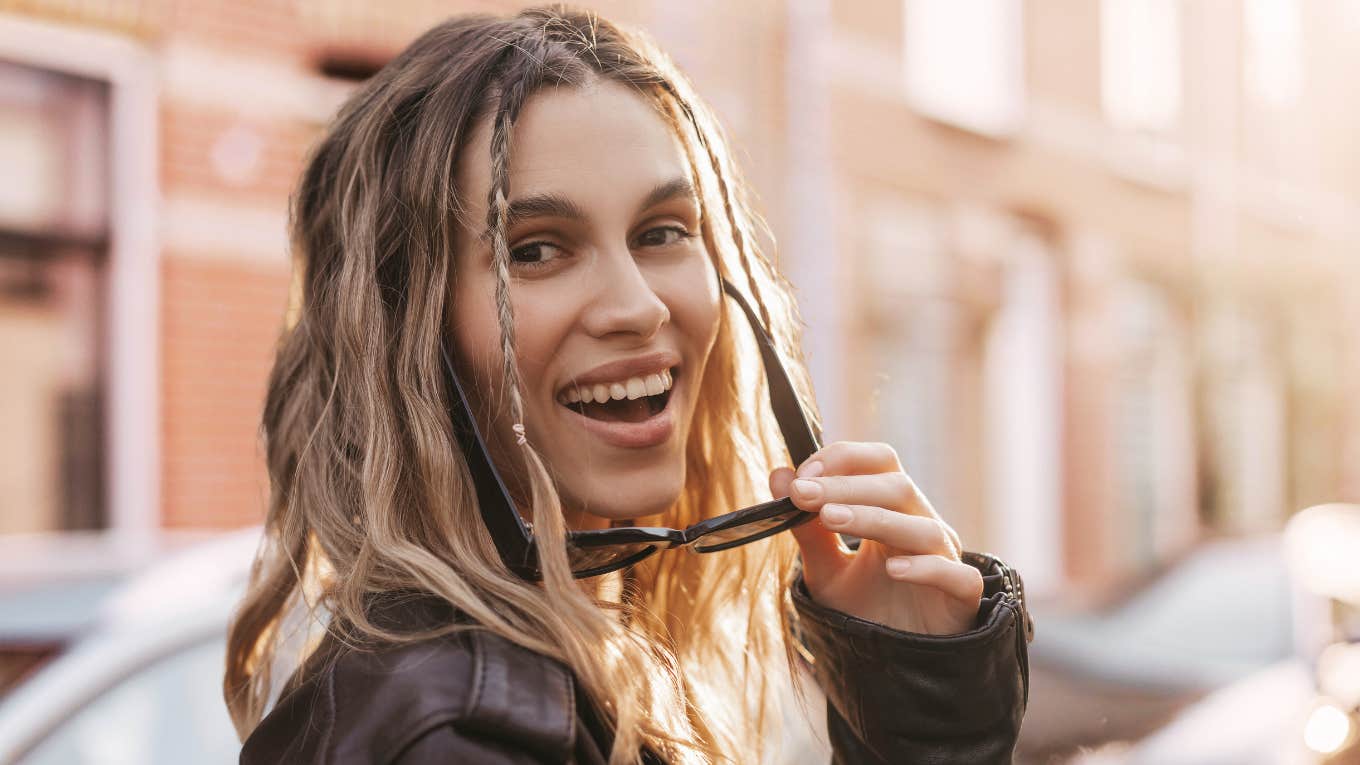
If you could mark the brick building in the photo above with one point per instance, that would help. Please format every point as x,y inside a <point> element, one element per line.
<point>1102,306</point>
<point>1106,251</point>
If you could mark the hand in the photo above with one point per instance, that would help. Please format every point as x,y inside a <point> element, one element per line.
<point>907,573</point>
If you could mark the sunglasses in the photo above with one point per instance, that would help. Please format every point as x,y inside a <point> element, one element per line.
<point>600,551</point>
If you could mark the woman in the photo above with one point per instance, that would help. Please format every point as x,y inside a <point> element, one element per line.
<point>515,347</point>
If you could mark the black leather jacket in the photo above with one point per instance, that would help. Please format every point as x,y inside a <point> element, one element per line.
<point>892,697</point>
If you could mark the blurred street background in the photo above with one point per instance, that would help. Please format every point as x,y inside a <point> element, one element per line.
<point>1092,266</point>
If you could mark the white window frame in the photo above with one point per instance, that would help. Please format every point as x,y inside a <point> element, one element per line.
<point>131,317</point>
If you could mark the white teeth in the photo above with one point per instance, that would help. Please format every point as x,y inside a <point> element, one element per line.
<point>636,388</point>
<point>632,388</point>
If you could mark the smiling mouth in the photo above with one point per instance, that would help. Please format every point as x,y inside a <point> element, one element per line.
<point>638,409</point>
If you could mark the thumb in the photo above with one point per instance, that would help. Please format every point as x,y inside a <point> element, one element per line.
<point>820,548</point>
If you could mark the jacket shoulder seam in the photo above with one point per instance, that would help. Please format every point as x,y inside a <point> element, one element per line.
<point>390,675</point>
<point>502,671</point>
<point>423,726</point>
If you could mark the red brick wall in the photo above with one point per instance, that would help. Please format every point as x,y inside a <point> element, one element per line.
<point>222,311</point>
<point>265,26</point>
<point>220,322</point>
<point>189,135</point>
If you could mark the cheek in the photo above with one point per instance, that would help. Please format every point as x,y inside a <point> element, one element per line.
<point>538,318</point>
<point>706,321</point>
<point>701,307</point>
<point>475,335</point>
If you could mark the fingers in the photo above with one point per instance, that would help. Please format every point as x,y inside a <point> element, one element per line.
<point>914,534</point>
<point>880,502</point>
<point>821,549</point>
<point>958,579</point>
<point>851,458</point>
<point>894,491</point>
<point>780,478</point>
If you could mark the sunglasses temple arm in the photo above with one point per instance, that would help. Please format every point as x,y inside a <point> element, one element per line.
<point>499,513</point>
<point>801,439</point>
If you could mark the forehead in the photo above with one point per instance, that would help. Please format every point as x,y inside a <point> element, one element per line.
<point>597,141</point>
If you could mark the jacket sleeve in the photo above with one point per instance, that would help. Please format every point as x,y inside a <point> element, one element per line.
<point>902,697</point>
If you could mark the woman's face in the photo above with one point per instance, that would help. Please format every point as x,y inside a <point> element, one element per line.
<point>614,296</point>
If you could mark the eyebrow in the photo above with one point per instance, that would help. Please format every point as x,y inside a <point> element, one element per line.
<point>675,188</point>
<point>558,206</point>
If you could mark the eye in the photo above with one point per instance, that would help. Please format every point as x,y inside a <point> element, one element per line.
<point>534,255</point>
<point>662,236</point>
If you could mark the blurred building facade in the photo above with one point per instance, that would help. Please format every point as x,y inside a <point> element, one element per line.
<point>1090,266</point>
<point>1107,251</point>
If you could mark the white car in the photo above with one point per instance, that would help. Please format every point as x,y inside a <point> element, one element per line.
<point>144,685</point>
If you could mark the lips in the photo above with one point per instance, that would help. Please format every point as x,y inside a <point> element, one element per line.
<point>636,419</point>
<point>655,362</point>
<point>653,431</point>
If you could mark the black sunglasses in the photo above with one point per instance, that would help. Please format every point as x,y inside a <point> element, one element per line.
<point>600,551</point>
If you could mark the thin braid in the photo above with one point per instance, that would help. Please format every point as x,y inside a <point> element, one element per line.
<point>738,235</point>
<point>516,83</point>
<point>497,205</point>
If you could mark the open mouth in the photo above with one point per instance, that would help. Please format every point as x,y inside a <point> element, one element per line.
<point>622,409</point>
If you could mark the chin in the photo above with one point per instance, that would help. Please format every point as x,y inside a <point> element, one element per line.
<point>652,499</point>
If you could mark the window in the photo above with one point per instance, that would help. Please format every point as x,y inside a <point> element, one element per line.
<point>963,63</point>
<point>1277,139</point>
<point>1272,71</point>
<point>1140,64</point>
<point>914,329</point>
<point>52,254</point>
<point>1152,418</point>
<point>1022,408</point>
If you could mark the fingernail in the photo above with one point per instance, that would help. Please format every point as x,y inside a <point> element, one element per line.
<point>810,469</point>
<point>835,515</point>
<point>807,489</point>
<point>897,566</point>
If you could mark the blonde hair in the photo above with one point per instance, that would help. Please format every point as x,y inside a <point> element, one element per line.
<point>369,492</point>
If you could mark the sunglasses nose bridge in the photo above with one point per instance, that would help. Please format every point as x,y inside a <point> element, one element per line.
<point>681,542</point>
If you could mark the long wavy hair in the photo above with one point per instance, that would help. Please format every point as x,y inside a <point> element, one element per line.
<point>369,493</point>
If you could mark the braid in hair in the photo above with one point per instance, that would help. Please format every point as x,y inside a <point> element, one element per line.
<point>511,99</point>
<point>500,259</point>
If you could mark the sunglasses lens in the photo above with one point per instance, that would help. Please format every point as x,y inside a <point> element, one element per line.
<point>735,536</point>
<point>586,561</point>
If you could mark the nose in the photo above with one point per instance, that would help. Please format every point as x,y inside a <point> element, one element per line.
<point>624,301</point>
